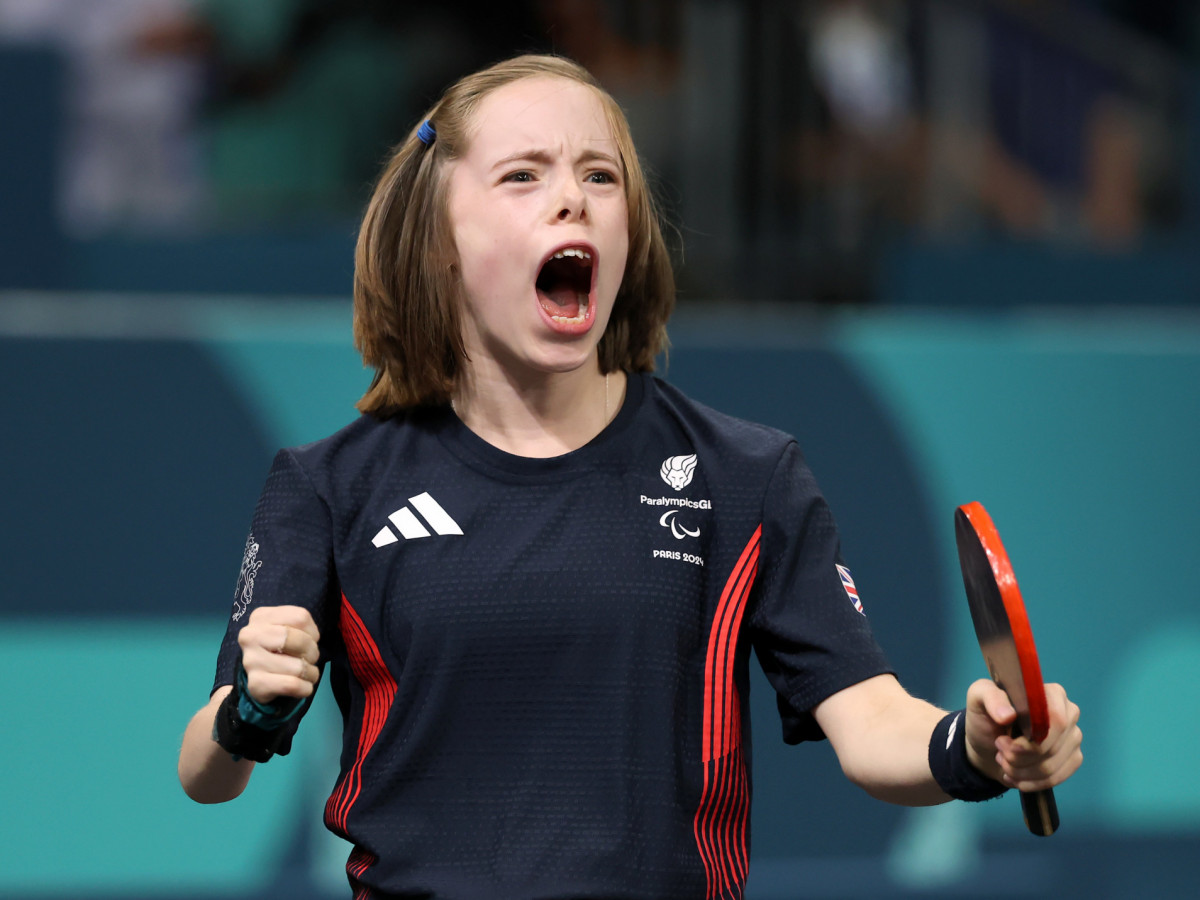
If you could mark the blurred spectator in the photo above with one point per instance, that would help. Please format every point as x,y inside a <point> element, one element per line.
<point>858,155</point>
<point>862,67</point>
<point>130,159</point>
<point>301,101</point>
<point>1017,122</point>
<point>307,96</point>
<point>256,113</point>
<point>1064,153</point>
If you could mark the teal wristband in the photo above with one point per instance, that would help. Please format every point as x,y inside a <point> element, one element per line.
<point>267,716</point>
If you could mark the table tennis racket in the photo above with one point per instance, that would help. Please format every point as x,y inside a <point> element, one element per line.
<point>1006,641</point>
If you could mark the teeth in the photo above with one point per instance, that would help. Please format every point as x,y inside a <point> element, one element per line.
<point>573,251</point>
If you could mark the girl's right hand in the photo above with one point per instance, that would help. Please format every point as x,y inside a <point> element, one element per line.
<point>280,653</point>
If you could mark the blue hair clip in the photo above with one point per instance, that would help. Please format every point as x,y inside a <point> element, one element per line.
<point>426,133</point>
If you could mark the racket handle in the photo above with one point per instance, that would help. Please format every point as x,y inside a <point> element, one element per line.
<point>1040,811</point>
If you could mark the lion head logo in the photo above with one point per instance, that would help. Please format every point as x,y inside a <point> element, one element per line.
<point>677,470</point>
<point>244,594</point>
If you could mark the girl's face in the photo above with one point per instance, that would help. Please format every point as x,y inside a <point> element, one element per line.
<point>537,205</point>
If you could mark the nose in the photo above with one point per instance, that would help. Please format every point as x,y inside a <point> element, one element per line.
<point>572,202</point>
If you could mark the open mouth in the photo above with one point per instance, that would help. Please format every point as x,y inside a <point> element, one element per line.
<point>564,285</point>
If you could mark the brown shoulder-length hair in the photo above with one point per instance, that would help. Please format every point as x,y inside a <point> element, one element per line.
<point>407,287</point>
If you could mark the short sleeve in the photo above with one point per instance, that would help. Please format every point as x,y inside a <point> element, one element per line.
<point>288,560</point>
<point>808,628</point>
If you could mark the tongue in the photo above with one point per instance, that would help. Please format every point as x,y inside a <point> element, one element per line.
<point>560,300</point>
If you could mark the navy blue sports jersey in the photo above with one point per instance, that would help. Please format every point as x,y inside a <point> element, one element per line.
<point>542,664</point>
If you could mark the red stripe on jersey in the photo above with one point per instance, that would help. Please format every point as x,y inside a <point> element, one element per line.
<point>719,697</point>
<point>722,817</point>
<point>360,860</point>
<point>379,688</point>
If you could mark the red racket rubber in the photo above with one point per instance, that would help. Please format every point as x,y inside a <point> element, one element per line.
<point>1006,641</point>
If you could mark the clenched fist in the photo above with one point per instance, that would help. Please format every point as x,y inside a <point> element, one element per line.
<point>280,652</point>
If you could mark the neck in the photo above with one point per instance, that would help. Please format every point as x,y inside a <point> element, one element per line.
<point>543,417</point>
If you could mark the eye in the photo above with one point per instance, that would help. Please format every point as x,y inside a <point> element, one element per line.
<point>523,176</point>
<point>601,177</point>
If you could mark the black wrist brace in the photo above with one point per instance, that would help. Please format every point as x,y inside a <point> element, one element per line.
<point>243,740</point>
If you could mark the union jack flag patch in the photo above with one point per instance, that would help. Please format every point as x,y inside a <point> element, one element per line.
<point>851,590</point>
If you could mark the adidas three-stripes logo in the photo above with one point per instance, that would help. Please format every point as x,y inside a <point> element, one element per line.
<point>410,527</point>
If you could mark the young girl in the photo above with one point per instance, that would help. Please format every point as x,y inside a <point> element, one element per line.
<point>534,572</point>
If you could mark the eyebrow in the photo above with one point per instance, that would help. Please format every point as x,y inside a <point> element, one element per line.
<point>544,157</point>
